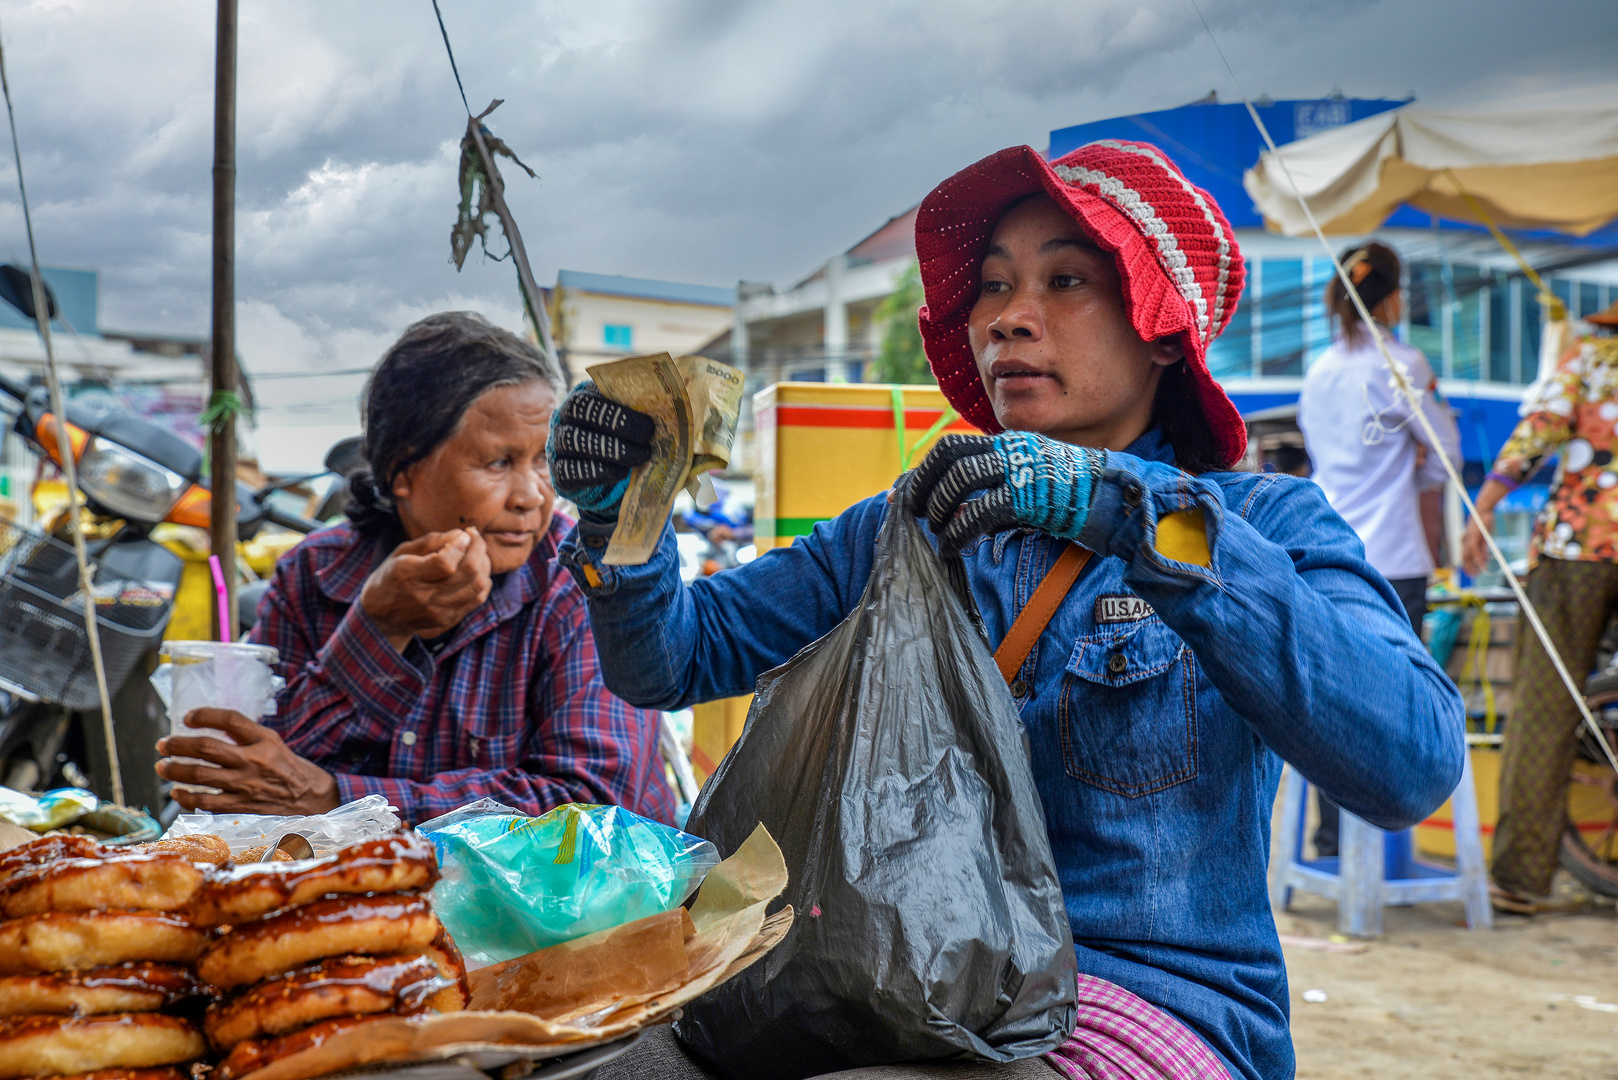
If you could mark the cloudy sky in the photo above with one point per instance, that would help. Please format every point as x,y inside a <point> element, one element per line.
<point>696,140</point>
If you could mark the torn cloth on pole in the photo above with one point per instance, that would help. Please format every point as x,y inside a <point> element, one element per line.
<point>483,193</point>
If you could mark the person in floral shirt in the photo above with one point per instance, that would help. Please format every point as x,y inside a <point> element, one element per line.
<point>1573,583</point>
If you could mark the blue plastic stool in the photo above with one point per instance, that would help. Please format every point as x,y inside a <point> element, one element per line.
<point>1378,868</point>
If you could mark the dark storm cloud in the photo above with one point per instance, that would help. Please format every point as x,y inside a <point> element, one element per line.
<point>704,140</point>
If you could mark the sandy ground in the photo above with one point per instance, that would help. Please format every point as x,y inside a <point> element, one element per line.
<point>1430,999</point>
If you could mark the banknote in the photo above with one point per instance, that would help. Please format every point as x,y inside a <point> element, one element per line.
<point>694,404</point>
<point>715,393</point>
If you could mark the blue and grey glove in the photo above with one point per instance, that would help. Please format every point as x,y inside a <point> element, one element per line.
<point>594,443</point>
<point>1027,480</point>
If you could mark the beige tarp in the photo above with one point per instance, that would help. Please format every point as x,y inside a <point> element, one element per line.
<point>1547,161</point>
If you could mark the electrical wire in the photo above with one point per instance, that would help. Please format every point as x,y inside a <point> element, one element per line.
<point>1401,381</point>
<point>42,321</point>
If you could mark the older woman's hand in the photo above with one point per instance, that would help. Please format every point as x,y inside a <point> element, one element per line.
<point>428,585</point>
<point>258,775</point>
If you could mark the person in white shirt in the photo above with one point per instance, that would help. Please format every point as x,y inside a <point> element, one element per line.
<point>1369,454</point>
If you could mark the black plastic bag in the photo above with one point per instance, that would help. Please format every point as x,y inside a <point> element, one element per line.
<point>888,760</point>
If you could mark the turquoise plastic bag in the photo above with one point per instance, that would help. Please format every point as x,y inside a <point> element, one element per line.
<point>512,883</point>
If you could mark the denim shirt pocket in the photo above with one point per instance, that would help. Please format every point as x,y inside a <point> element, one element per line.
<point>1128,711</point>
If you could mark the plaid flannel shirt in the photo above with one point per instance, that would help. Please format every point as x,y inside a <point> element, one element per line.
<point>512,708</point>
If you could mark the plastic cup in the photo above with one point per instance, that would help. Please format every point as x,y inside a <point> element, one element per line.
<point>215,675</point>
<point>219,675</point>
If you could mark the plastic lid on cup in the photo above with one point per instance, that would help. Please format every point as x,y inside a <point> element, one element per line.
<point>206,650</point>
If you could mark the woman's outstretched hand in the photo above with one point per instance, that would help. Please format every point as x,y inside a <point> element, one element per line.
<point>594,443</point>
<point>428,585</point>
<point>258,775</point>
<point>1025,480</point>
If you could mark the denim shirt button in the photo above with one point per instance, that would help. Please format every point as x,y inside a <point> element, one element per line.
<point>1117,664</point>
<point>1133,493</point>
<point>595,541</point>
<point>1019,688</point>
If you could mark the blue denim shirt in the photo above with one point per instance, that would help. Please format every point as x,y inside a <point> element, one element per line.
<point>1156,740</point>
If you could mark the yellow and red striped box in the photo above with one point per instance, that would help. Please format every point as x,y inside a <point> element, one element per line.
<point>1587,807</point>
<point>822,447</point>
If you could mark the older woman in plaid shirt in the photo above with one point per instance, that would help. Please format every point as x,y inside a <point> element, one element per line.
<point>433,651</point>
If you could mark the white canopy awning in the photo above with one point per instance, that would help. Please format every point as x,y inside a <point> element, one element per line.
<point>1549,161</point>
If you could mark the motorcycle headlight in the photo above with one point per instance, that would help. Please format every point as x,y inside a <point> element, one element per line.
<point>127,483</point>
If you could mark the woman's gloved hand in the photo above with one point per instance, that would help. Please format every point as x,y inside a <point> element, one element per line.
<point>594,443</point>
<point>1027,480</point>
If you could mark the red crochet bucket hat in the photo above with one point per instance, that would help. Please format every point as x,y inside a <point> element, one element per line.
<point>1177,258</point>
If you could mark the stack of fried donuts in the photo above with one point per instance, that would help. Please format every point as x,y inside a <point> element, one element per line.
<point>107,956</point>
<point>302,950</point>
<point>95,954</point>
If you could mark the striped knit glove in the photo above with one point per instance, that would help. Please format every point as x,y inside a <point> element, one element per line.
<point>594,443</point>
<point>1027,480</point>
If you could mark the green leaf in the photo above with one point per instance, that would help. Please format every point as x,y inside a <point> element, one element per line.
<point>902,359</point>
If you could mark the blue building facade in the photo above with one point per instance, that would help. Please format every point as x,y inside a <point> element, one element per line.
<point>76,302</point>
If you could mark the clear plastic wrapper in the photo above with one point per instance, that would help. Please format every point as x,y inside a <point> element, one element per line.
<point>513,883</point>
<point>370,818</point>
<point>52,810</point>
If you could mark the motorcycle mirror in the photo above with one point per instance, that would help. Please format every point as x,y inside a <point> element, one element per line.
<point>346,455</point>
<point>17,289</point>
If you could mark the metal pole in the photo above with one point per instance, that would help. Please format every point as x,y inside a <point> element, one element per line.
<point>222,439</point>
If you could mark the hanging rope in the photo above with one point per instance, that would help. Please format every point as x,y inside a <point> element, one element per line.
<point>223,405</point>
<point>1401,380</point>
<point>64,447</point>
<point>1476,667</point>
<point>1553,303</point>
<point>907,449</point>
<point>451,52</point>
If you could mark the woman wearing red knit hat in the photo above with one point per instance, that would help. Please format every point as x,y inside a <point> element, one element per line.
<point>1228,620</point>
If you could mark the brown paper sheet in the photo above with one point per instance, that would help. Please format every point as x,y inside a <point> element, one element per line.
<point>14,835</point>
<point>589,991</point>
<point>608,969</point>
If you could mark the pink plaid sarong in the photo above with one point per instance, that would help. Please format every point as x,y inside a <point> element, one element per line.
<point>1123,1037</point>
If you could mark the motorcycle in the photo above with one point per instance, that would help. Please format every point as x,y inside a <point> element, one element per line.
<point>345,456</point>
<point>1590,849</point>
<point>134,475</point>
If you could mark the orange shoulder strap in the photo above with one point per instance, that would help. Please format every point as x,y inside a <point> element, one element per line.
<point>1037,613</point>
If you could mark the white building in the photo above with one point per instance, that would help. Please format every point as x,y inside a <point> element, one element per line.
<point>596,317</point>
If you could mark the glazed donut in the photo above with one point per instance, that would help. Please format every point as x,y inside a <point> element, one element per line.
<point>48,849</point>
<point>301,935</point>
<point>402,862</point>
<point>344,986</point>
<point>251,1055</point>
<point>139,987</point>
<point>72,941</point>
<point>198,847</point>
<point>263,853</point>
<point>149,882</point>
<point>164,1073</point>
<point>32,1046</point>
<point>457,992</point>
